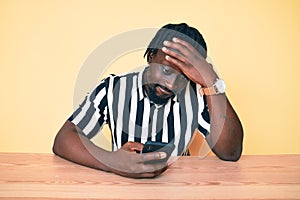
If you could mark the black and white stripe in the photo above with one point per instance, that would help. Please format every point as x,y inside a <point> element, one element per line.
<point>120,102</point>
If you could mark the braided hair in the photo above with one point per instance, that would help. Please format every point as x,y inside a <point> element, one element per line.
<point>181,31</point>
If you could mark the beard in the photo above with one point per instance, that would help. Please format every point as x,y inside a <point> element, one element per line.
<point>152,94</point>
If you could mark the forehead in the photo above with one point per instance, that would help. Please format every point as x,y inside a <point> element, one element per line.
<point>160,58</point>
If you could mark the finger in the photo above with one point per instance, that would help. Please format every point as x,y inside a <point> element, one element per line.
<point>132,146</point>
<point>189,47</point>
<point>146,157</point>
<point>174,54</point>
<point>136,146</point>
<point>147,173</point>
<point>177,48</point>
<point>181,65</point>
<point>155,167</point>
<point>155,173</point>
<point>183,43</point>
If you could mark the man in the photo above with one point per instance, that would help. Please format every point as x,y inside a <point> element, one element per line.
<point>177,93</point>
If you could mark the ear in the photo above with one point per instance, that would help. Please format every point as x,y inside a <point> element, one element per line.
<point>150,56</point>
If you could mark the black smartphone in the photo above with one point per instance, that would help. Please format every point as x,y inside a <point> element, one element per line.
<point>151,146</point>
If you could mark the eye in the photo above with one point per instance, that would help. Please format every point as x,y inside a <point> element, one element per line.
<point>166,70</point>
<point>182,77</point>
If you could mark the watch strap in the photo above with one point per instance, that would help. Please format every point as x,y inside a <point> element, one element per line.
<point>217,88</point>
<point>207,91</point>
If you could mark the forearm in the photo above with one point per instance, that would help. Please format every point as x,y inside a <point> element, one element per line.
<point>74,147</point>
<point>71,145</point>
<point>226,132</point>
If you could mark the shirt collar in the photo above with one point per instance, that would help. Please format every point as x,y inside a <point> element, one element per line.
<point>140,84</point>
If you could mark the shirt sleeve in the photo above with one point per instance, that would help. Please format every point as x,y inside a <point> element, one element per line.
<point>91,114</point>
<point>203,114</point>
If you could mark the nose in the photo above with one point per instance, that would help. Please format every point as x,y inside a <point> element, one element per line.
<point>170,82</point>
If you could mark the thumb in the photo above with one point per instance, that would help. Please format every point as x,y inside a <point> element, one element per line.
<point>132,146</point>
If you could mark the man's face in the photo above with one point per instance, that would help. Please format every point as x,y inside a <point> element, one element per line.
<point>163,80</point>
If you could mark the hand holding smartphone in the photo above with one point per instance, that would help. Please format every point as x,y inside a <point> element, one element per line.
<point>151,146</point>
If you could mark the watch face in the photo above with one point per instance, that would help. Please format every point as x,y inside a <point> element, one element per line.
<point>220,85</point>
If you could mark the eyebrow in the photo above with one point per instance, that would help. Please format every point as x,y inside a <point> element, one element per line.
<point>173,69</point>
<point>170,68</point>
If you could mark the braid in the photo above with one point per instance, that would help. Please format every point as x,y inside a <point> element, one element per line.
<point>181,31</point>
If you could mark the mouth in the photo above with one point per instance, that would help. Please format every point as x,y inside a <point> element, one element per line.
<point>163,91</point>
<point>159,94</point>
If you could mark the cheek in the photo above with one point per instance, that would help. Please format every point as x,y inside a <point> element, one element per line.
<point>156,76</point>
<point>159,77</point>
<point>181,85</point>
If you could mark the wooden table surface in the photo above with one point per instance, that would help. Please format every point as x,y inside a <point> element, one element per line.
<point>45,176</point>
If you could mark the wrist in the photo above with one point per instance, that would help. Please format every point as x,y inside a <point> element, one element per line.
<point>208,76</point>
<point>209,81</point>
<point>105,161</point>
<point>218,87</point>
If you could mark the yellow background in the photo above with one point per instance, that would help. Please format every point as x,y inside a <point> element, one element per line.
<point>254,44</point>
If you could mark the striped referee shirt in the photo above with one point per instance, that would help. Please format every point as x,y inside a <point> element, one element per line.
<point>121,102</point>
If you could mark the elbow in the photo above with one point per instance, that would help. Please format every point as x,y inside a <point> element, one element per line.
<point>61,139</point>
<point>231,156</point>
<point>55,147</point>
<point>231,152</point>
<point>59,144</point>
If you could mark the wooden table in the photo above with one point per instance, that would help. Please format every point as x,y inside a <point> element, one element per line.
<point>45,176</point>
